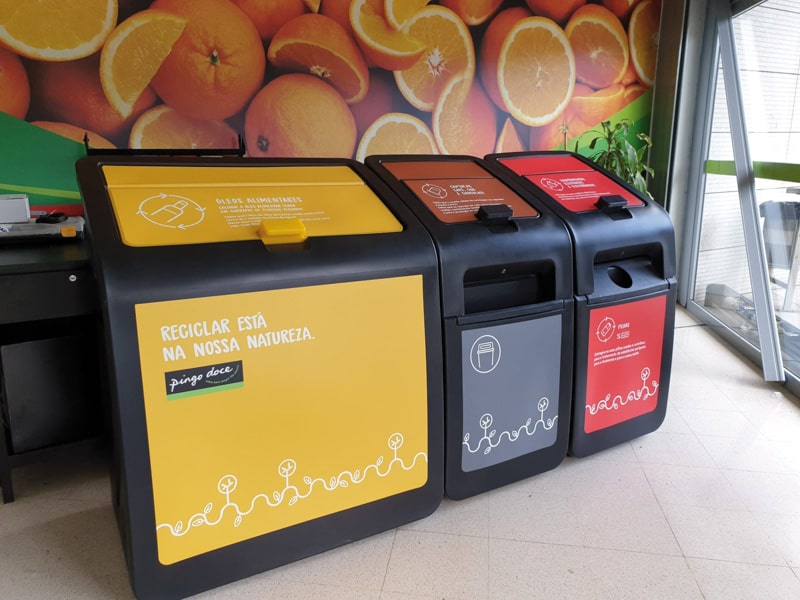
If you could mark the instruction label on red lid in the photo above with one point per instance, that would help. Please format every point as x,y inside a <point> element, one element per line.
<point>571,182</point>
<point>578,191</point>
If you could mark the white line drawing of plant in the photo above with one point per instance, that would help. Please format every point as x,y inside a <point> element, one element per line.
<point>617,402</point>
<point>227,484</point>
<point>493,440</point>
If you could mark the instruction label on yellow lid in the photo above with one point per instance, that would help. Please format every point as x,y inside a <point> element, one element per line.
<point>174,205</point>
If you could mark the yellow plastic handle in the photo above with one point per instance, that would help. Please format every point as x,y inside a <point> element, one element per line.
<point>282,231</point>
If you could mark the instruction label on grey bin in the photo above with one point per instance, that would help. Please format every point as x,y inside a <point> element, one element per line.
<point>511,375</point>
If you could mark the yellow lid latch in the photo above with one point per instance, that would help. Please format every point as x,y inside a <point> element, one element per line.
<point>282,231</point>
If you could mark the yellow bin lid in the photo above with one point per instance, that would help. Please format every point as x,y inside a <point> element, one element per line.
<point>173,205</point>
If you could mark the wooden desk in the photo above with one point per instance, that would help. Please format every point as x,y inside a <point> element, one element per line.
<point>43,289</point>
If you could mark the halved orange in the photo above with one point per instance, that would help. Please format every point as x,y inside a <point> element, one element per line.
<point>399,12</point>
<point>56,30</point>
<point>621,8</point>
<point>133,54</point>
<point>464,120</point>
<point>473,12</point>
<point>318,45</point>
<point>164,127</point>
<point>559,10</point>
<point>595,107</point>
<point>383,45</point>
<point>75,133</point>
<point>600,45</point>
<point>558,134</point>
<point>536,71</point>
<point>633,91</point>
<point>492,41</point>
<point>449,52</point>
<point>643,38</point>
<point>396,133</point>
<point>509,139</point>
<point>15,87</point>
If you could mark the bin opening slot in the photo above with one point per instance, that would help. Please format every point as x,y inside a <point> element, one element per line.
<point>651,254</point>
<point>497,287</point>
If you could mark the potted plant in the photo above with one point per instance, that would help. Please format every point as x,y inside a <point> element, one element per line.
<point>611,149</point>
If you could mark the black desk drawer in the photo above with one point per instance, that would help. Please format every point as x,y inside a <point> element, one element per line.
<point>47,295</point>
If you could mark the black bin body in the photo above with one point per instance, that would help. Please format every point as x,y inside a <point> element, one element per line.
<point>625,293</point>
<point>271,396</point>
<point>507,314</point>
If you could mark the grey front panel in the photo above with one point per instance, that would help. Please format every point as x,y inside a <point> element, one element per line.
<point>511,375</point>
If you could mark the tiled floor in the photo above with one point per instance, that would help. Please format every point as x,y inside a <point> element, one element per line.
<point>708,506</point>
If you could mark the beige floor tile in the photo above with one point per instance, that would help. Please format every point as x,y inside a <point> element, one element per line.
<point>525,571</point>
<point>736,581</point>
<point>65,555</point>
<point>581,520</point>
<point>777,422</point>
<point>672,449</point>
<point>674,421</point>
<point>592,477</point>
<point>446,566</point>
<point>249,590</point>
<point>722,534</point>
<point>784,532</point>
<point>401,596</point>
<point>727,423</point>
<point>621,452</point>
<point>752,454</point>
<point>463,517</point>
<point>692,486</point>
<point>360,564</point>
<point>767,492</point>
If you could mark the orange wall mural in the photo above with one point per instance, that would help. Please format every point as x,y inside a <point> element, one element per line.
<point>339,78</point>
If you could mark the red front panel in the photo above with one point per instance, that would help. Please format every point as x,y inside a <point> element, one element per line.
<point>626,342</point>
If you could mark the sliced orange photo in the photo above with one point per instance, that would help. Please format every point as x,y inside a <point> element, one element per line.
<point>164,127</point>
<point>77,134</point>
<point>558,10</point>
<point>559,134</point>
<point>449,52</point>
<point>56,30</point>
<point>536,71</point>
<point>396,133</point>
<point>319,46</point>
<point>133,54</point>
<point>473,12</point>
<point>492,41</point>
<point>621,8</point>
<point>399,12</point>
<point>270,15</point>
<point>464,120</point>
<point>633,91</point>
<point>596,106</point>
<point>381,43</point>
<point>600,45</point>
<point>643,38</point>
<point>509,139</point>
<point>15,88</point>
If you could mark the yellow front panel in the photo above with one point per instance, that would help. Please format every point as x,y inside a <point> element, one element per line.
<point>268,409</point>
<point>163,206</point>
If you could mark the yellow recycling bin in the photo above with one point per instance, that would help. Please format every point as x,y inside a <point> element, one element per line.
<point>274,361</point>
